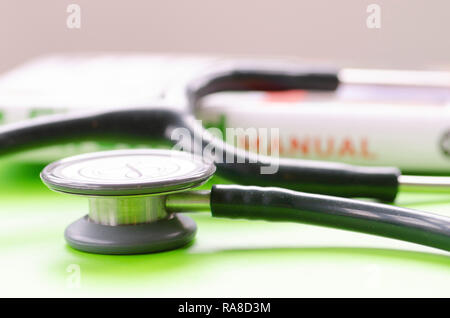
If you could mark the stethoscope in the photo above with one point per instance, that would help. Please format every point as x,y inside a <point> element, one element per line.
<point>136,196</point>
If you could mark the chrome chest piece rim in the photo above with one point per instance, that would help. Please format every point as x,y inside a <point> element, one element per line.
<point>127,172</point>
<point>127,198</point>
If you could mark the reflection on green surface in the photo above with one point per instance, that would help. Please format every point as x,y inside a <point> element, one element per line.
<point>13,175</point>
<point>228,258</point>
<point>137,267</point>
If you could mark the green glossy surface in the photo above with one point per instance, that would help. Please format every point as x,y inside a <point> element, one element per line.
<point>228,258</point>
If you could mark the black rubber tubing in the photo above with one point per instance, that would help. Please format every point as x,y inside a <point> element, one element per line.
<point>260,78</point>
<point>275,204</point>
<point>158,123</point>
<point>245,168</point>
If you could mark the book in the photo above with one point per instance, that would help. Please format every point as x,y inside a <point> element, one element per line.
<point>407,126</point>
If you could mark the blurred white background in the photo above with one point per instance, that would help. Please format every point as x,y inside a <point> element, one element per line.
<point>413,34</point>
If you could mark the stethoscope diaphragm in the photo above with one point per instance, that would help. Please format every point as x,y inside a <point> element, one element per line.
<point>127,192</point>
<point>127,172</point>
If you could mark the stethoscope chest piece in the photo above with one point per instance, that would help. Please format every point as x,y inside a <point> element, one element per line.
<point>126,190</point>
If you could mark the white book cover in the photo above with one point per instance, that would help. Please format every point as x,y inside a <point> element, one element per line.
<point>368,124</point>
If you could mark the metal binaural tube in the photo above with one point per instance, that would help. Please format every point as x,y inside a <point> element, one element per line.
<point>421,183</point>
<point>190,201</point>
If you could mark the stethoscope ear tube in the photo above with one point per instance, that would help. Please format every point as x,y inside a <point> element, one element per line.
<point>261,78</point>
<point>152,123</point>
<point>329,178</point>
<point>276,204</point>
